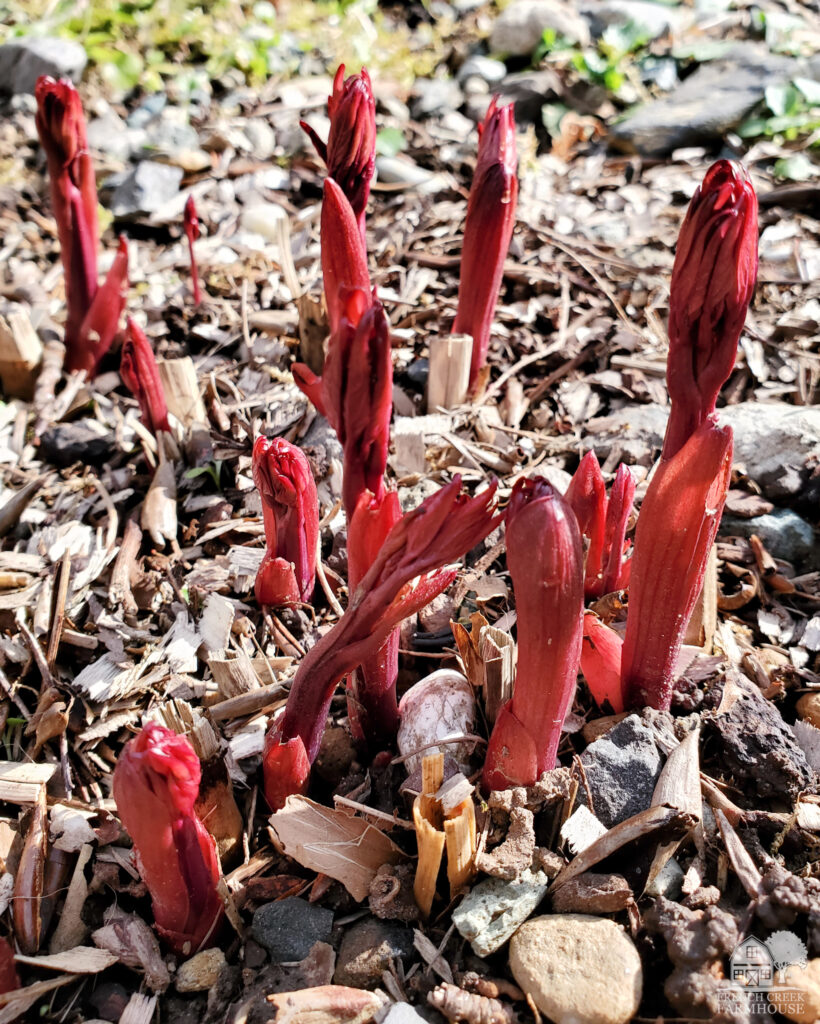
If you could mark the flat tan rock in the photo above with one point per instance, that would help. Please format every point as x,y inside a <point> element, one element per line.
<point>578,969</point>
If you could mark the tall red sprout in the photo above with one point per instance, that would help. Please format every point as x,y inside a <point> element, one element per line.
<point>92,312</point>
<point>677,526</point>
<point>192,233</point>
<point>487,230</point>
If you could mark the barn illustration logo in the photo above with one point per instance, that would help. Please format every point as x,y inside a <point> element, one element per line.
<point>759,975</point>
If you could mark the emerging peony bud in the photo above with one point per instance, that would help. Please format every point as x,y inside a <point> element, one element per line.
<point>290,509</point>
<point>192,233</point>
<point>545,559</point>
<point>677,525</point>
<point>603,521</point>
<point>92,313</point>
<point>140,374</point>
<point>344,259</point>
<point>440,530</point>
<point>156,782</point>
<point>350,151</point>
<point>487,231</point>
<point>713,281</point>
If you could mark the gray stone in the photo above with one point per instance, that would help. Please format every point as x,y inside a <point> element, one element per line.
<point>578,969</point>
<point>712,101</point>
<point>108,134</point>
<point>655,19</point>
<point>289,928</point>
<point>145,189</point>
<point>621,768</point>
<point>775,442</point>
<point>529,91</point>
<point>261,137</point>
<point>492,911</point>
<point>519,28</point>
<point>432,95</point>
<point>783,533</point>
<point>491,71</point>
<point>22,61</point>
<point>367,949</point>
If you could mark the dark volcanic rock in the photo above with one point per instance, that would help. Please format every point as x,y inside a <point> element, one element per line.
<point>289,928</point>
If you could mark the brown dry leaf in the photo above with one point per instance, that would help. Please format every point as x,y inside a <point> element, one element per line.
<point>327,1004</point>
<point>333,843</point>
<point>652,819</point>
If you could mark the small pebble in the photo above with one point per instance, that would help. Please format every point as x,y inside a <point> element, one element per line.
<point>808,707</point>
<point>578,969</point>
<point>200,973</point>
<point>805,983</point>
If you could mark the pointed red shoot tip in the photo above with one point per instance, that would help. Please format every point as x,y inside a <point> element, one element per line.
<point>140,374</point>
<point>285,768</point>
<point>192,233</point>
<point>601,664</point>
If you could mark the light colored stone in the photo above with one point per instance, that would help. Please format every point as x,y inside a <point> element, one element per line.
<point>200,972</point>
<point>22,61</point>
<point>519,28</point>
<point>492,910</point>
<point>578,969</point>
<point>803,983</point>
<point>439,706</point>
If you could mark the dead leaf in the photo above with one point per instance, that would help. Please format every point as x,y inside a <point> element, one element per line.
<point>333,843</point>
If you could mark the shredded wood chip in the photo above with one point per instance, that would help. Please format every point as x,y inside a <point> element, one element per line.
<point>80,960</point>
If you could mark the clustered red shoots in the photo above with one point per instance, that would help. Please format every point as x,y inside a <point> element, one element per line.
<point>290,511</point>
<point>411,568</point>
<point>93,311</point>
<point>603,521</point>
<point>545,559</point>
<point>487,231</point>
<point>156,783</point>
<point>140,374</point>
<point>192,233</point>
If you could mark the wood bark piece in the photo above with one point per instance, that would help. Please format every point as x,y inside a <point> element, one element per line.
<point>21,353</point>
<point>449,376</point>
<point>182,394</point>
<point>678,786</point>
<point>29,881</point>
<point>22,783</point>
<point>80,960</point>
<point>333,843</point>
<point>702,625</point>
<point>15,1003</point>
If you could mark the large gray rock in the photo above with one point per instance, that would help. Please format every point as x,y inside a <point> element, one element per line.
<point>22,61</point>
<point>529,91</point>
<point>775,442</point>
<point>519,28</point>
<point>578,969</point>
<point>709,103</point>
<point>621,768</point>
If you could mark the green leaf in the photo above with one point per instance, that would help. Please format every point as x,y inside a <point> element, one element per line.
<point>390,141</point>
<point>796,168</point>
